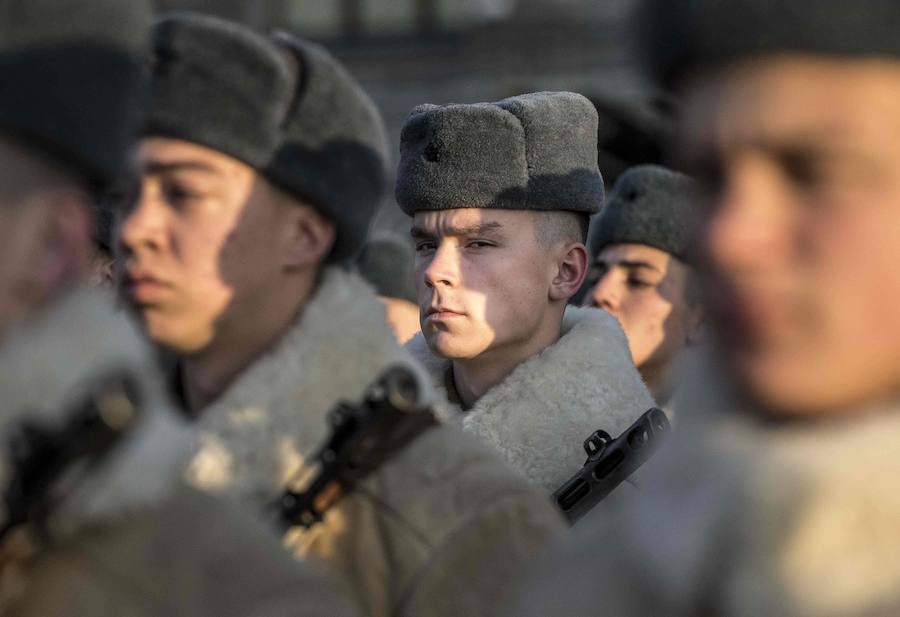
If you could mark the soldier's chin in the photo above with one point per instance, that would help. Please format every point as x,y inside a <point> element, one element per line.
<point>174,336</point>
<point>449,346</point>
<point>792,389</point>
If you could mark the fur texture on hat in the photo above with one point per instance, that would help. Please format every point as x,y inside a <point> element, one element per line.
<point>650,205</point>
<point>282,105</point>
<point>220,85</point>
<point>679,36</point>
<point>530,152</point>
<point>386,263</point>
<point>73,71</point>
<point>334,152</point>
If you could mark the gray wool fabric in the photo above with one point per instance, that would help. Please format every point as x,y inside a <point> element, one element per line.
<point>530,152</point>
<point>74,79</point>
<point>280,104</point>
<point>681,35</point>
<point>650,205</point>
<point>220,85</point>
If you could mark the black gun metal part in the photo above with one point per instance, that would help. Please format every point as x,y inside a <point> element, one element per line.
<point>40,455</point>
<point>363,436</point>
<point>610,462</point>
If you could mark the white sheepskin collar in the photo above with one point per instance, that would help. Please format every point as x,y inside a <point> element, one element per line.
<point>539,416</point>
<point>773,519</point>
<point>260,432</point>
<point>48,364</point>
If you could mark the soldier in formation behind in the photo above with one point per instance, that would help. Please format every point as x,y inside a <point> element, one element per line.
<point>643,272</point>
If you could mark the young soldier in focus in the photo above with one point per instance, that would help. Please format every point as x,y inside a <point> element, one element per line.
<point>500,195</point>
<point>261,165</point>
<point>779,495</point>
<point>643,273</point>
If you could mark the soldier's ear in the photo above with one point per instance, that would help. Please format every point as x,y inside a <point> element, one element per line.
<point>570,271</point>
<point>67,247</point>
<point>307,237</point>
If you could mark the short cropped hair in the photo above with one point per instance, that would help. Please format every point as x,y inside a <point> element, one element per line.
<point>559,226</point>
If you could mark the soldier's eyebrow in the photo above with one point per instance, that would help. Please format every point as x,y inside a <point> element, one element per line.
<point>632,264</point>
<point>478,229</point>
<point>162,167</point>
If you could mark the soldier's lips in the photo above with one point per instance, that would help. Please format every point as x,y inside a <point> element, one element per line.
<point>145,289</point>
<point>441,315</point>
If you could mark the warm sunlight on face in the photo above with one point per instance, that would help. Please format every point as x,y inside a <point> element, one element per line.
<point>646,289</point>
<point>195,243</point>
<point>482,279</point>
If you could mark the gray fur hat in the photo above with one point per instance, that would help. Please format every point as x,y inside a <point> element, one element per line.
<point>650,205</point>
<point>335,149</point>
<point>680,35</point>
<point>386,263</point>
<point>530,152</point>
<point>280,104</point>
<point>74,79</point>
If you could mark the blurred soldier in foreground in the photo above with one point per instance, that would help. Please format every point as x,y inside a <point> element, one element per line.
<point>500,195</point>
<point>94,520</point>
<point>262,163</point>
<point>642,272</point>
<point>779,496</point>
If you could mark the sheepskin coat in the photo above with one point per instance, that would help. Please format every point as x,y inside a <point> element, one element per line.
<point>539,416</point>
<point>743,518</point>
<point>436,531</point>
<point>128,539</point>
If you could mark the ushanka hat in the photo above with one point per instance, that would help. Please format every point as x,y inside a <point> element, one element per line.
<point>73,79</point>
<point>386,263</point>
<point>280,104</point>
<point>650,205</point>
<point>530,152</point>
<point>678,36</point>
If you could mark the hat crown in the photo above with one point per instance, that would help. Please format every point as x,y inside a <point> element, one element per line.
<point>534,151</point>
<point>678,36</point>
<point>280,104</point>
<point>650,205</point>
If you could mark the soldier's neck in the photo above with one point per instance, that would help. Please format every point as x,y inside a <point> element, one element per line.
<point>659,381</point>
<point>474,377</point>
<point>206,375</point>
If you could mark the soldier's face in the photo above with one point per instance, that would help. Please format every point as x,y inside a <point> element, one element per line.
<point>646,289</point>
<point>197,244</point>
<point>801,163</point>
<point>482,280</point>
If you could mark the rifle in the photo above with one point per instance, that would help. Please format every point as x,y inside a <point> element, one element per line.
<point>42,456</point>
<point>610,462</point>
<point>363,436</point>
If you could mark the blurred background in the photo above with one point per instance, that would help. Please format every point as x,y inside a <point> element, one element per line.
<point>407,52</point>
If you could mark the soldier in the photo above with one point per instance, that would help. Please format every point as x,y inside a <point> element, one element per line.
<point>261,164</point>
<point>500,195</point>
<point>94,518</point>
<point>643,273</point>
<point>779,495</point>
